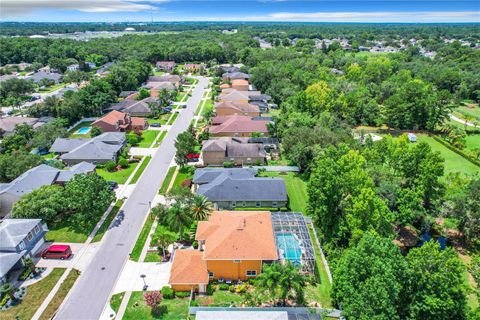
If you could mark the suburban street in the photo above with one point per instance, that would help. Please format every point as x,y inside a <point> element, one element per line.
<point>89,296</point>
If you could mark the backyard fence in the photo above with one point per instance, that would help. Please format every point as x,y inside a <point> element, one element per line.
<point>324,260</point>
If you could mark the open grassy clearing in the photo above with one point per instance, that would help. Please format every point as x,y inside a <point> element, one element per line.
<point>166,182</point>
<point>34,297</point>
<point>106,224</point>
<point>473,141</point>
<point>172,309</point>
<point>140,170</point>
<point>453,161</point>
<point>296,189</point>
<point>120,176</point>
<point>60,295</point>
<point>142,237</point>
<point>148,136</point>
<point>472,110</point>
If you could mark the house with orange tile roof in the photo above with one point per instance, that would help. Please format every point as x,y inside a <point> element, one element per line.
<point>232,245</point>
<point>237,126</point>
<point>236,108</point>
<point>116,121</point>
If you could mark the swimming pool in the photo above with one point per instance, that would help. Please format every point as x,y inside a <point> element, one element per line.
<point>83,130</point>
<point>290,246</point>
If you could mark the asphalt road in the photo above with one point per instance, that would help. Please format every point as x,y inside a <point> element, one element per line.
<point>90,294</point>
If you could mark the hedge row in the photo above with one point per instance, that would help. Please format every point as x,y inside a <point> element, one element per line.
<point>458,151</point>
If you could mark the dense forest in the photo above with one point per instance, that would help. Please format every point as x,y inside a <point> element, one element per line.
<point>361,194</point>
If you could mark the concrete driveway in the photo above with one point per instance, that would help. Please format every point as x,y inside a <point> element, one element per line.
<point>82,256</point>
<point>156,276</point>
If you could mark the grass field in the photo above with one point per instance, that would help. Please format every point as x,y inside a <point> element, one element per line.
<point>142,237</point>
<point>160,139</point>
<point>172,119</point>
<point>148,136</point>
<point>208,106</point>
<point>321,292</point>
<point>34,297</point>
<point>172,309</point>
<point>183,174</point>
<point>116,300</point>
<point>104,227</point>
<point>453,161</point>
<point>153,257</point>
<point>60,295</point>
<point>464,110</point>
<point>473,141</point>
<point>52,88</point>
<point>222,298</point>
<point>140,170</point>
<point>296,189</point>
<point>166,182</point>
<point>119,177</point>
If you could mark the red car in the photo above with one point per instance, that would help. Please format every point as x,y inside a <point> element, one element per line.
<point>57,251</point>
<point>193,156</point>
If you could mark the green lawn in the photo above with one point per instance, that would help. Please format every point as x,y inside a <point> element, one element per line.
<point>453,161</point>
<point>49,155</point>
<point>296,189</point>
<point>60,295</point>
<point>104,227</point>
<point>166,182</point>
<point>153,257</point>
<point>34,297</point>
<point>67,231</point>
<point>140,170</point>
<point>321,291</point>
<point>160,139</point>
<point>464,110</point>
<point>148,136</point>
<point>162,119</point>
<point>221,298</point>
<point>183,174</point>
<point>52,88</point>
<point>120,176</point>
<point>116,301</point>
<point>158,73</point>
<point>208,106</point>
<point>473,141</point>
<point>172,309</point>
<point>180,96</point>
<point>142,237</point>
<point>172,119</point>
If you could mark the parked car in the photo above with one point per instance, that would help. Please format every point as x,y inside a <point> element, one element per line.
<point>57,251</point>
<point>193,157</point>
<point>113,185</point>
<point>184,106</point>
<point>156,125</point>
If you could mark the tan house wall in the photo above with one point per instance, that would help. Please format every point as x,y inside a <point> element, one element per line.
<point>241,87</point>
<point>228,100</point>
<point>231,134</point>
<point>184,287</point>
<point>215,158</point>
<point>228,269</point>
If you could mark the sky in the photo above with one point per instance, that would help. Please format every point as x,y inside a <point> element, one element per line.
<point>234,10</point>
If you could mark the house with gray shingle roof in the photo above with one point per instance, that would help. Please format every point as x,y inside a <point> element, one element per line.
<point>101,149</point>
<point>42,175</point>
<point>240,188</point>
<point>19,239</point>
<point>38,76</point>
<point>236,150</point>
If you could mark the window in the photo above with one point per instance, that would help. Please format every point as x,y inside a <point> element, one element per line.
<point>29,236</point>
<point>274,204</point>
<point>210,274</point>
<point>234,204</point>
<point>37,229</point>
<point>22,245</point>
<point>251,273</point>
<point>257,204</point>
<point>236,261</point>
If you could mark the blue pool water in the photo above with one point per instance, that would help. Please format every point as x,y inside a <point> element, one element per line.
<point>83,130</point>
<point>290,246</point>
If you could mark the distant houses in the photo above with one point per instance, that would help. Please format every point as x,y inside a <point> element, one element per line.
<point>167,66</point>
<point>230,108</point>
<point>39,75</point>
<point>134,107</point>
<point>240,188</point>
<point>237,126</point>
<point>101,149</point>
<point>8,124</point>
<point>35,178</point>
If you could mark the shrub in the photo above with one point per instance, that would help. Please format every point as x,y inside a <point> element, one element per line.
<point>153,299</point>
<point>228,164</point>
<point>231,288</point>
<point>241,288</point>
<point>25,274</point>
<point>167,292</point>
<point>210,289</point>
<point>223,286</point>
<point>110,166</point>
<point>195,244</point>
<point>133,139</point>
<point>182,294</point>
<point>123,163</point>
<point>4,300</point>
<point>95,131</point>
<point>194,303</point>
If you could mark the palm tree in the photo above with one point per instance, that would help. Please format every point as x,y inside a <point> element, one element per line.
<point>279,281</point>
<point>200,207</point>
<point>177,217</point>
<point>163,238</point>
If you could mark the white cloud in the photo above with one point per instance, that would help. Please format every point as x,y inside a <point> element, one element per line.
<point>20,8</point>
<point>420,16</point>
